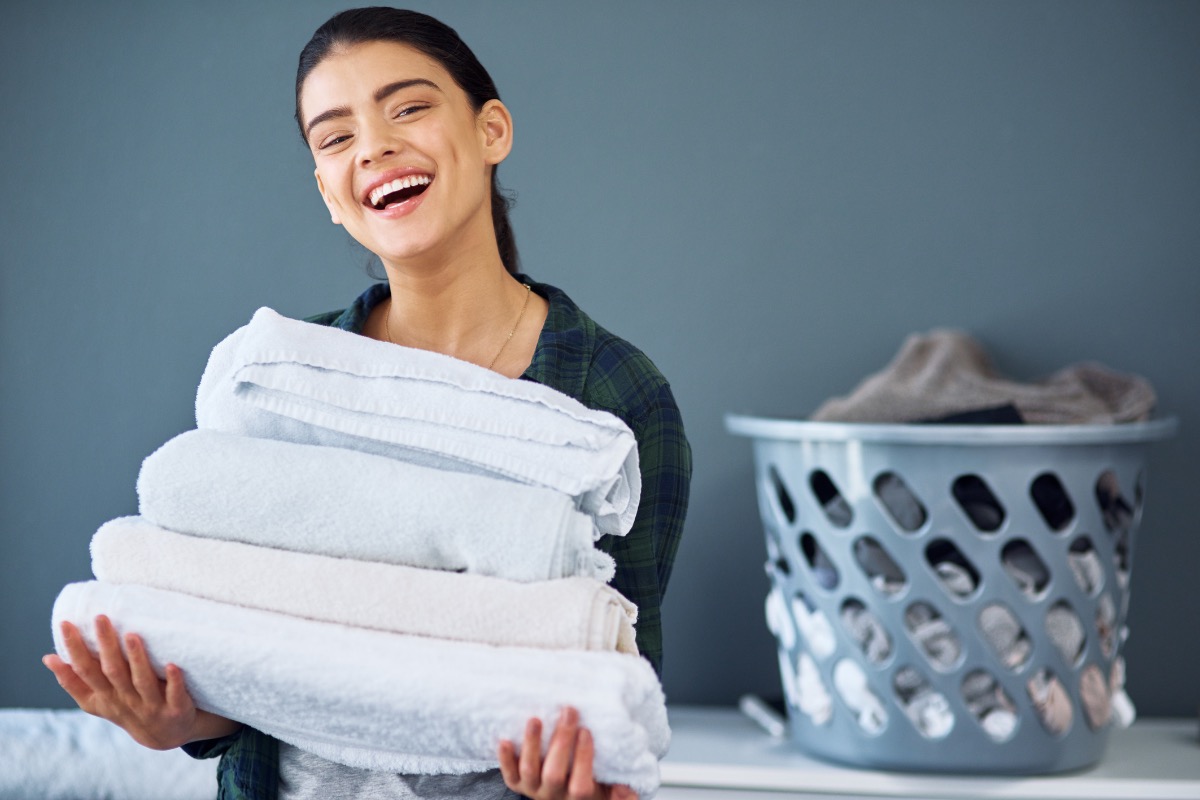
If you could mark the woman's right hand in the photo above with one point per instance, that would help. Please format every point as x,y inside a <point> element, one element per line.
<point>125,691</point>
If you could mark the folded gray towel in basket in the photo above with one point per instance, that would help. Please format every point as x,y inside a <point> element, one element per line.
<point>946,372</point>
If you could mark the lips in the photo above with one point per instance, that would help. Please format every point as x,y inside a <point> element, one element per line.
<point>398,191</point>
<point>395,188</point>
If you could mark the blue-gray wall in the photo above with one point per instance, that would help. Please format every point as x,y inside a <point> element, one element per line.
<point>765,196</point>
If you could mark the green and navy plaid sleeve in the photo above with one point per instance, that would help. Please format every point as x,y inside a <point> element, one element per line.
<point>249,768</point>
<point>579,358</point>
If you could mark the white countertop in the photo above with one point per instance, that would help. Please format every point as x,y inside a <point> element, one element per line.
<point>719,754</point>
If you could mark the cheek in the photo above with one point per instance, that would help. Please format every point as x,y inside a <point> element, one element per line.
<point>343,191</point>
<point>458,151</point>
<point>335,192</point>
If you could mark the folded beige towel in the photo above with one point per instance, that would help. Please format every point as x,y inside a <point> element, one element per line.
<point>567,614</point>
<point>947,372</point>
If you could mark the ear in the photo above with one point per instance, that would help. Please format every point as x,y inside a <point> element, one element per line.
<point>333,215</point>
<point>496,131</point>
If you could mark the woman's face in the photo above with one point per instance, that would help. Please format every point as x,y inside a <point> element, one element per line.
<point>402,159</point>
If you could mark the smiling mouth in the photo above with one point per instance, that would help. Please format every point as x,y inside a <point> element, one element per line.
<point>399,190</point>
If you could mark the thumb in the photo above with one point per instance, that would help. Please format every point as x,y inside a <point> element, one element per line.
<point>622,792</point>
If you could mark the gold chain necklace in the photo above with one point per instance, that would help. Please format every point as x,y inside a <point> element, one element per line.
<point>387,324</point>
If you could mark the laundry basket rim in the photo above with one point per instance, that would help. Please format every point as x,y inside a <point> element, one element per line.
<point>891,433</point>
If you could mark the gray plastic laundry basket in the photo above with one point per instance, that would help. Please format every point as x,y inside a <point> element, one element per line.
<point>950,598</point>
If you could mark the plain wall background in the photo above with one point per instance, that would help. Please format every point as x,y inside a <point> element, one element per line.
<point>764,196</point>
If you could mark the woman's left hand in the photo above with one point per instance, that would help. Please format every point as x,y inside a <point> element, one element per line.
<point>566,772</point>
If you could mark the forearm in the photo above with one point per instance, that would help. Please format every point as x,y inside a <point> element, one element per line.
<point>211,726</point>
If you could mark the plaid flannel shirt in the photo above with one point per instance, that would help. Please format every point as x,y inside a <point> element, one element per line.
<point>578,358</point>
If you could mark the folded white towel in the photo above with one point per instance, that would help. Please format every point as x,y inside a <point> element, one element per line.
<point>379,700</point>
<point>281,378</point>
<point>343,503</point>
<point>566,614</point>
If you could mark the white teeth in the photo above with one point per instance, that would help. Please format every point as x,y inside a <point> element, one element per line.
<point>409,181</point>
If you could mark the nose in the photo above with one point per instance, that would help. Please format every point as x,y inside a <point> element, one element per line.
<point>377,142</point>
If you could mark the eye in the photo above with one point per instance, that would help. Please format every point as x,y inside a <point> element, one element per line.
<point>333,141</point>
<point>409,110</point>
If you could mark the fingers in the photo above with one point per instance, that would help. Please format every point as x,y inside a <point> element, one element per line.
<point>112,660</point>
<point>530,764</point>
<point>178,699</point>
<point>561,749</point>
<point>83,662</point>
<point>80,692</point>
<point>566,771</point>
<point>509,769</point>
<point>583,783</point>
<point>145,682</point>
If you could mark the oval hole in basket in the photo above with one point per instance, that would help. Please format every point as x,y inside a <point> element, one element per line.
<point>991,706</point>
<point>927,709</point>
<point>1106,625</point>
<point>933,634</point>
<point>813,625</point>
<point>954,571</point>
<point>852,686</point>
<point>901,504</point>
<point>823,570</point>
<point>1052,501</point>
<point>1025,567</point>
<point>1121,556</point>
<point>778,621</point>
<point>809,694</point>
<point>881,569</point>
<point>1003,631</point>
<point>866,630</point>
<point>836,509</point>
<point>782,496</point>
<point>1085,565</point>
<point>1114,508</point>
<point>978,502</point>
<point>1051,703</point>
<point>1065,630</point>
<point>1095,697</point>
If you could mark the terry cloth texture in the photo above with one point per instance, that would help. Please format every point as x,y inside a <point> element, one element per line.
<point>569,613</point>
<point>334,691</point>
<point>71,755</point>
<point>344,503</point>
<point>280,378</point>
<point>578,358</point>
<point>947,372</point>
<point>581,359</point>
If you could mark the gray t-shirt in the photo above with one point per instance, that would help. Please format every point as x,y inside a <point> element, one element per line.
<point>303,776</point>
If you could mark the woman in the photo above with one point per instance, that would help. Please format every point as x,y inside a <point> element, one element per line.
<point>406,130</point>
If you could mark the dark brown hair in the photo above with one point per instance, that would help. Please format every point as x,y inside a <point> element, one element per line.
<point>436,40</point>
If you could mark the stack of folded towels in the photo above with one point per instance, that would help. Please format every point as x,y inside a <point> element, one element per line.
<point>386,557</point>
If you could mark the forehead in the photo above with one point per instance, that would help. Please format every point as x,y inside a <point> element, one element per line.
<point>352,74</point>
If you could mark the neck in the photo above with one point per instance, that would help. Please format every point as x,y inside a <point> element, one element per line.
<point>462,308</point>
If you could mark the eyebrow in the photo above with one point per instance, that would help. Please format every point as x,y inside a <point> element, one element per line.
<point>380,94</point>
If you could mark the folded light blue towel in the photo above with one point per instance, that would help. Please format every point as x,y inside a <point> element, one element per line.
<point>337,502</point>
<point>281,378</point>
